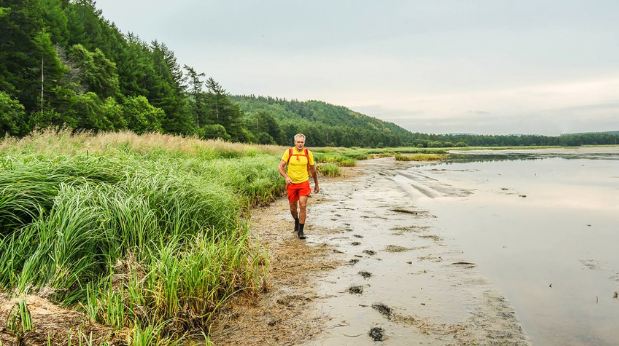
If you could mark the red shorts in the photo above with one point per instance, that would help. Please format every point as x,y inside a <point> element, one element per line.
<point>297,190</point>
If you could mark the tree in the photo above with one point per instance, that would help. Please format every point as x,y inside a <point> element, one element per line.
<point>96,72</point>
<point>221,110</point>
<point>213,131</point>
<point>265,128</point>
<point>168,92</point>
<point>194,85</point>
<point>141,116</point>
<point>12,116</point>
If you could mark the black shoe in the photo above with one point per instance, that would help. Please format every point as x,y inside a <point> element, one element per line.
<point>300,232</point>
<point>296,225</point>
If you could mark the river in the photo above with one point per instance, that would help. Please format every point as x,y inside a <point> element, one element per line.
<point>542,226</point>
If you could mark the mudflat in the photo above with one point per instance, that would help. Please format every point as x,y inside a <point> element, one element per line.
<point>372,269</point>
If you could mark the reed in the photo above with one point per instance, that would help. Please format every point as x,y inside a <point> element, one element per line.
<point>142,233</point>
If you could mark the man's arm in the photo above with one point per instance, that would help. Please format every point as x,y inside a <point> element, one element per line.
<point>282,172</point>
<point>315,176</point>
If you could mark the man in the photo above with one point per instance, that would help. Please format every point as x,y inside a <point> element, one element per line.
<point>296,165</point>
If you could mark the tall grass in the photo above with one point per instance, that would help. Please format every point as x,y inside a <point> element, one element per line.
<point>347,157</point>
<point>420,157</point>
<point>329,169</point>
<point>139,232</point>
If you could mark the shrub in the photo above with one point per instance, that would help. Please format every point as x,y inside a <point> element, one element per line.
<point>329,170</point>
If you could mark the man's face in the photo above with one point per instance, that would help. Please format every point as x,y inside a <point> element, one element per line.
<point>299,143</point>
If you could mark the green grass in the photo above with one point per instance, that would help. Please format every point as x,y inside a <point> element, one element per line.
<point>329,169</point>
<point>142,233</point>
<point>347,157</point>
<point>420,157</point>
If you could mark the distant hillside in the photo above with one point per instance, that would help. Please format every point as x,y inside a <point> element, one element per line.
<point>62,64</point>
<point>275,120</point>
<point>612,133</point>
<point>324,124</point>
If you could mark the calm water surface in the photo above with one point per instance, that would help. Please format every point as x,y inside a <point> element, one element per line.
<point>543,226</point>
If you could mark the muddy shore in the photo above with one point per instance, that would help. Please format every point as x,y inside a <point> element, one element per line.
<point>373,269</point>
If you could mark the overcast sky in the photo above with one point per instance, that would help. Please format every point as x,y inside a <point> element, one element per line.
<point>494,66</point>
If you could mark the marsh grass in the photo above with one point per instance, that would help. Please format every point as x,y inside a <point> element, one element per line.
<point>420,157</point>
<point>19,321</point>
<point>329,169</point>
<point>142,233</point>
<point>347,157</point>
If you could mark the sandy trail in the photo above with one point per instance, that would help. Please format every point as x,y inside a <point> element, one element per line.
<point>372,268</point>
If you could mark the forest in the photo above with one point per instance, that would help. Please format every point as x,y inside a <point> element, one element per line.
<point>63,65</point>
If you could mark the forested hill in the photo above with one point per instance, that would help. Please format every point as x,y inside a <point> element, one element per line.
<point>277,120</point>
<point>62,64</point>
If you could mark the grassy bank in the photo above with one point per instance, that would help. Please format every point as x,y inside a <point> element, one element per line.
<point>347,157</point>
<point>142,233</point>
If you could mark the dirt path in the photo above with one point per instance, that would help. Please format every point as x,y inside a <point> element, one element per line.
<point>373,268</point>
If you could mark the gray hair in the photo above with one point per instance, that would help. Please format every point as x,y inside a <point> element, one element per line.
<point>299,135</point>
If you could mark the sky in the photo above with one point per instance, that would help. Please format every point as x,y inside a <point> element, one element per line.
<point>484,67</point>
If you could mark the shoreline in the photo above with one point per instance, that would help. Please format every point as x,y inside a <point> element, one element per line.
<point>417,288</point>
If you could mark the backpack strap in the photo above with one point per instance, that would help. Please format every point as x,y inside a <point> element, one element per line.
<point>289,155</point>
<point>305,153</point>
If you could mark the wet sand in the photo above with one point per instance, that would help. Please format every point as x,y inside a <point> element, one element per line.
<point>372,268</point>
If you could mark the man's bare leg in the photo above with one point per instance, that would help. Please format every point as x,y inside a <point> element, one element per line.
<point>295,214</point>
<point>302,209</point>
<point>302,215</point>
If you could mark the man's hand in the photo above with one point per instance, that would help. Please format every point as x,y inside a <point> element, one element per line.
<point>288,180</point>
<point>316,188</point>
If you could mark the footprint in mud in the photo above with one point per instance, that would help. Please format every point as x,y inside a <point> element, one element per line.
<point>353,261</point>
<point>430,258</point>
<point>377,334</point>
<point>464,264</point>
<point>355,290</point>
<point>369,252</point>
<point>432,236</point>
<point>357,235</point>
<point>383,309</point>
<point>293,300</point>
<point>355,243</point>
<point>590,264</point>
<point>365,274</point>
<point>396,248</point>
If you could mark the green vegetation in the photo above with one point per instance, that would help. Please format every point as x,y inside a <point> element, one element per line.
<point>420,157</point>
<point>142,233</point>
<point>329,169</point>
<point>19,322</point>
<point>63,65</point>
<point>323,123</point>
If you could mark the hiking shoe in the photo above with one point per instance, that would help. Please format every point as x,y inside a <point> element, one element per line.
<point>300,234</point>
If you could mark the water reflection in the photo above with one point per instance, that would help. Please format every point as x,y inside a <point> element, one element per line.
<point>542,226</point>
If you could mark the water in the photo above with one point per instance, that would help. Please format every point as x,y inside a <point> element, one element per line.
<point>434,295</point>
<point>542,226</point>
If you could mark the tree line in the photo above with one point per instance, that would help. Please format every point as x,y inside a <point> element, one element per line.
<point>62,64</point>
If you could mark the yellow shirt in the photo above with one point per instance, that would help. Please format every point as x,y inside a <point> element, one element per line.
<point>297,167</point>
